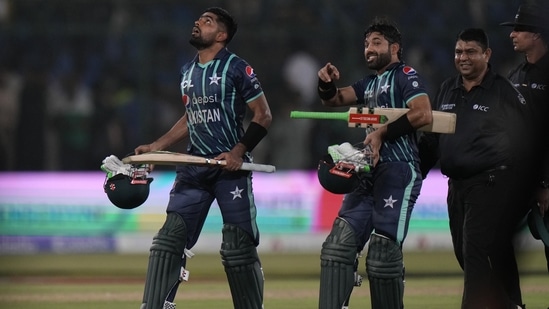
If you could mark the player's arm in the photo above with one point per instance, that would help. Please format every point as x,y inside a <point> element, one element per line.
<point>344,97</point>
<point>328,92</point>
<point>418,115</point>
<point>177,133</point>
<point>256,131</point>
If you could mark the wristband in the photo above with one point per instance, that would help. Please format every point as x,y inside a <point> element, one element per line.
<point>399,127</point>
<point>326,90</point>
<point>254,134</point>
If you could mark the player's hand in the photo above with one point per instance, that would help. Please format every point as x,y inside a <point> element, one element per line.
<point>328,73</point>
<point>233,162</point>
<point>143,149</point>
<point>374,141</point>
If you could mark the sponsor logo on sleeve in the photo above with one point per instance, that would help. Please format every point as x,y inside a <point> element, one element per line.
<point>409,70</point>
<point>250,71</point>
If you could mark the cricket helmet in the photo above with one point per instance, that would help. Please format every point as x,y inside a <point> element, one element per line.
<point>337,178</point>
<point>127,192</point>
<point>539,226</point>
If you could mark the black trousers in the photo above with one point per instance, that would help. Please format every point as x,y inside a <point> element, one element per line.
<point>483,213</point>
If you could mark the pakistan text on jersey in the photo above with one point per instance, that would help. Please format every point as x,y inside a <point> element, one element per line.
<point>203,116</point>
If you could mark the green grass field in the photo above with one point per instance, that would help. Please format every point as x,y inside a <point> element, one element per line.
<point>291,281</point>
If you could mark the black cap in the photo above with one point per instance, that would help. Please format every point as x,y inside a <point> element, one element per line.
<point>530,15</point>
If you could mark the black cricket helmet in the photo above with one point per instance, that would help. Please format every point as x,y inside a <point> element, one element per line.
<point>338,178</point>
<point>539,226</point>
<point>127,192</point>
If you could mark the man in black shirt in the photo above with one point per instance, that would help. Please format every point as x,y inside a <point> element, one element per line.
<point>483,161</point>
<point>530,36</point>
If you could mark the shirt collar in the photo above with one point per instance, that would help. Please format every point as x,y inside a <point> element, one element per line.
<point>220,54</point>
<point>544,61</point>
<point>487,81</point>
<point>393,66</point>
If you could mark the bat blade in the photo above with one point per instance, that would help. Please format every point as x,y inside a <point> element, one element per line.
<point>175,158</point>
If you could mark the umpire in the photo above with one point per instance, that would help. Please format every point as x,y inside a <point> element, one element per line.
<point>483,161</point>
<point>530,36</point>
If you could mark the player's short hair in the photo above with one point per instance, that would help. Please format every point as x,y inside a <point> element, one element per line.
<point>226,19</point>
<point>474,35</point>
<point>388,29</point>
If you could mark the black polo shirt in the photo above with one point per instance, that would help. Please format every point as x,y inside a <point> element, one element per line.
<point>532,80</point>
<point>490,126</point>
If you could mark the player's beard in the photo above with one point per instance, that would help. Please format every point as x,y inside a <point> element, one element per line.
<point>200,43</point>
<point>381,61</point>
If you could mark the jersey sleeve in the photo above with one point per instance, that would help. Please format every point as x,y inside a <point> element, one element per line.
<point>246,81</point>
<point>411,83</point>
<point>360,87</point>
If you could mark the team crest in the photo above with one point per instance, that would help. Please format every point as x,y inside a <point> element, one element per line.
<point>408,70</point>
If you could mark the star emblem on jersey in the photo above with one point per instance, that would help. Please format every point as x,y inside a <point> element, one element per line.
<point>385,87</point>
<point>237,193</point>
<point>389,202</point>
<point>214,79</point>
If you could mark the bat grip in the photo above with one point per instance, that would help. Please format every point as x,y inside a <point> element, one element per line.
<point>320,115</point>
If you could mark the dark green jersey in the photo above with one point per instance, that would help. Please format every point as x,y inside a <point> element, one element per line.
<point>215,95</point>
<point>397,86</point>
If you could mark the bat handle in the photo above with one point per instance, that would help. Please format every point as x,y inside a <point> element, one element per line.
<point>320,115</point>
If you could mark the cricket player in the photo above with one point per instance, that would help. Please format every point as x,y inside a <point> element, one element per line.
<point>217,88</point>
<point>380,208</point>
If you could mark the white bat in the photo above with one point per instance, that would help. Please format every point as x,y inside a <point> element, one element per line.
<point>175,158</point>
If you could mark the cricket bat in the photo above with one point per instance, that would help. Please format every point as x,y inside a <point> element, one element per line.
<point>175,158</point>
<point>358,117</point>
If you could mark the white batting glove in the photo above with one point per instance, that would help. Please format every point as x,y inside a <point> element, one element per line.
<point>113,166</point>
<point>346,153</point>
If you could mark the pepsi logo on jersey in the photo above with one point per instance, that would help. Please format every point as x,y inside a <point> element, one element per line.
<point>199,100</point>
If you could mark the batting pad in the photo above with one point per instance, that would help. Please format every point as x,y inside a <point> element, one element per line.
<point>385,273</point>
<point>243,268</point>
<point>165,262</point>
<point>337,266</point>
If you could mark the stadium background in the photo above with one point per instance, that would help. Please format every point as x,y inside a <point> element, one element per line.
<point>83,79</point>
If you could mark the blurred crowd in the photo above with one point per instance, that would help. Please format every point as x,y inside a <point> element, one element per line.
<point>83,79</point>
